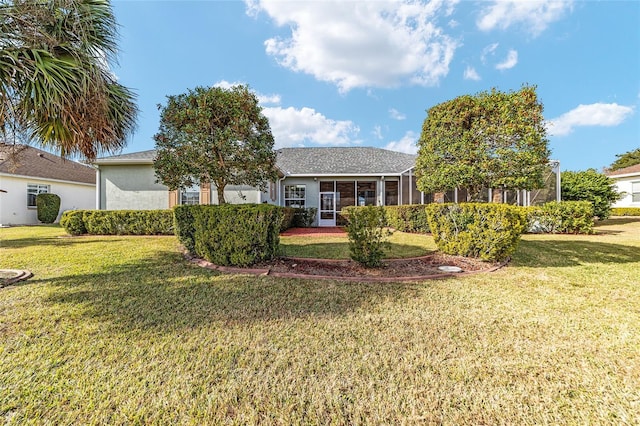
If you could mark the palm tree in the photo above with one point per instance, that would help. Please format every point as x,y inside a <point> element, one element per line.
<point>55,84</point>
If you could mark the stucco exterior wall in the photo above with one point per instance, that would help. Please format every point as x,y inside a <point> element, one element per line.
<point>623,184</point>
<point>131,187</point>
<point>238,194</point>
<point>13,203</point>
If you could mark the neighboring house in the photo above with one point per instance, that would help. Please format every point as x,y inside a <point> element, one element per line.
<point>628,182</point>
<point>327,179</point>
<point>26,172</point>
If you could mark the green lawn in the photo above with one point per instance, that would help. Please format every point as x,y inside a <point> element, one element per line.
<point>402,244</point>
<point>115,330</point>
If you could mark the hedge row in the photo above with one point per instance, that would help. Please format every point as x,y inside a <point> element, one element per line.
<point>625,211</point>
<point>565,217</point>
<point>230,234</point>
<point>479,230</point>
<point>408,218</point>
<point>118,222</point>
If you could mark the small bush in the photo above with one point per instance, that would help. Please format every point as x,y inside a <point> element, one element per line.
<point>48,206</point>
<point>625,211</point>
<point>288,216</point>
<point>367,234</point>
<point>480,230</point>
<point>408,218</point>
<point>565,217</point>
<point>72,222</point>
<point>304,217</point>
<point>590,185</point>
<point>238,235</point>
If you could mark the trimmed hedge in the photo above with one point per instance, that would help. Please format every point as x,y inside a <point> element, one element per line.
<point>564,217</point>
<point>366,228</point>
<point>408,218</point>
<point>72,222</point>
<point>481,230</point>
<point>230,234</point>
<point>48,206</point>
<point>118,222</point>
<point>625,211</point>
<point>184,227</point>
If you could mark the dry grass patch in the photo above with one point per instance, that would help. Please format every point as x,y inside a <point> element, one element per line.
<point>123,330</point>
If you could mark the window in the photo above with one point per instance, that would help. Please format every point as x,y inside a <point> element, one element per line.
<point>33,190</point>
<point>635,192</point>
<point>295,196</point>
<point>190,196</point>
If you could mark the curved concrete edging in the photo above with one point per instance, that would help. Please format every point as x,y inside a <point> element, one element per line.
<point>268,272</point>
<point>21,275</point>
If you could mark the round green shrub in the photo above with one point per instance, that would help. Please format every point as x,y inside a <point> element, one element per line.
<point>48,206</point>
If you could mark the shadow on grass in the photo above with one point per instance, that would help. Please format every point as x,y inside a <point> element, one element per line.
<point>165,293</point>
<point>43,241</point>
<point>557,253</point>
<point>620,220</point>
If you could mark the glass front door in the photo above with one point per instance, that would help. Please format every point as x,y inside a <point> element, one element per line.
<point>327,210</point>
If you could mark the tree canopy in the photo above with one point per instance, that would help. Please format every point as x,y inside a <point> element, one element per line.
<point>214,135</point>
<point>487,140</point>
<point>590,185</point>
<point>627,159</point>
<point>55,85</point>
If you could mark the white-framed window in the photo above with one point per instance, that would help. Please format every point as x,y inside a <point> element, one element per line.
<point>190,196</point>
<point>295,195</point>
<point>33,189</point>
<point>635,192</point>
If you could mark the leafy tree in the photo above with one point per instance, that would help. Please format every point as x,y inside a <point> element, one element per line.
<point>214,135</point>
<point>590,185</point>
<point>484,141</point>
<point>55,85</point>
<point>627,159</point>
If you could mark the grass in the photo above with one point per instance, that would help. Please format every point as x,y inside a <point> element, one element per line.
<point>402,244</point>
<point>123,330</point>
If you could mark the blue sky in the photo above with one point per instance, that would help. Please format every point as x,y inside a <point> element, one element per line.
<point>364,73</point>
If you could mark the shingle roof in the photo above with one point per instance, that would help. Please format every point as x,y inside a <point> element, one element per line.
<point>24,160</point>
<point>312,161</point>
<point>625,171</point>
<point>141,157</point>
<point>343,161</point>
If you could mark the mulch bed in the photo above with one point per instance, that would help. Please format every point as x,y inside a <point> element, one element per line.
<point>393,270</point>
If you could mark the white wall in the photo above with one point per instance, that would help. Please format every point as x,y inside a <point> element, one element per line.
<point>131,187</point>
<point>623,184</point>
<point>13,203</point>
<point>238,194</point>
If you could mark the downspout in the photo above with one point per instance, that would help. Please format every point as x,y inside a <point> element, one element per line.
<point>98,186</point>
<point>279,189</point>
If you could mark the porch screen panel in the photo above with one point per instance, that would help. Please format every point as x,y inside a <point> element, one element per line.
<point>326,186</point>
<point>390,193</point>
<point>367,193</point>
<point>346,195</point>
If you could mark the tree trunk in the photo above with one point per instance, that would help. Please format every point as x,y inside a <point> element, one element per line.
<point>220,187</point>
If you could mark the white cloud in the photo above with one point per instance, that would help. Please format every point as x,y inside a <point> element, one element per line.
<point>509,62</point>
<point>488,51</point>
<point>534,16</point>
<point>471,74</point>
<point>377,132</point>
<point>362,44</point>
<point>297,127</point>
<point>597,114</point>
<point>407,144</point>
<point>396,115</point>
